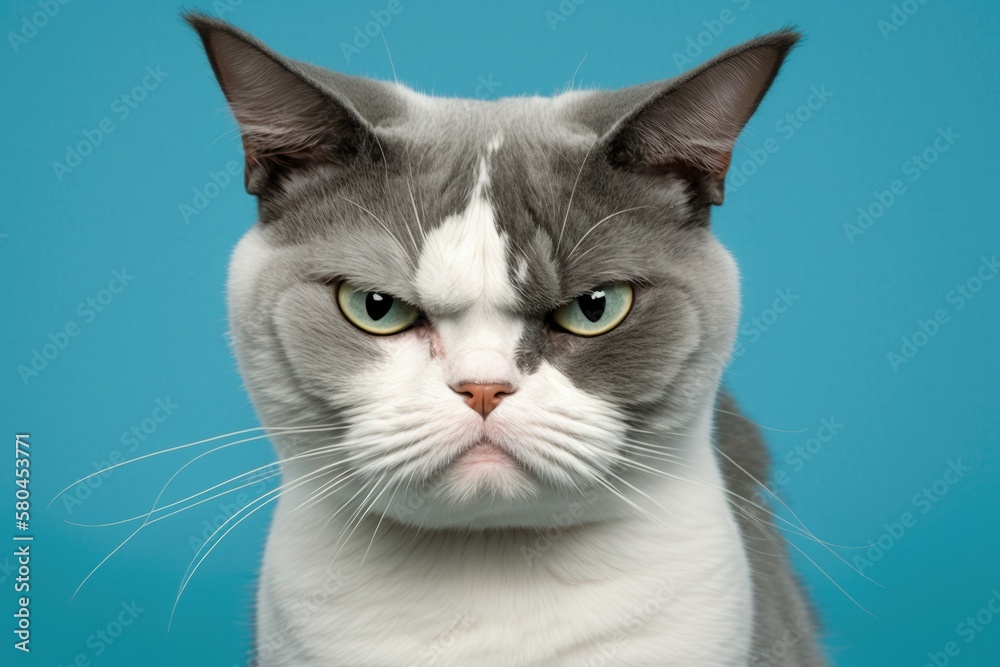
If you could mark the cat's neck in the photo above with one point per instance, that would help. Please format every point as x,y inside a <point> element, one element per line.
<point>679,556</point>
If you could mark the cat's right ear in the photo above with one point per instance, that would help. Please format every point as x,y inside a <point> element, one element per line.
<point>288,121</point>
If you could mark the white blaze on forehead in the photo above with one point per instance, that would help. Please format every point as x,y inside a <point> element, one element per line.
<point>463,283</point>
<point>464,261</point>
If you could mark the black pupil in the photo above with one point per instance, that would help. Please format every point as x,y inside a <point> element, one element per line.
<point>377,305</point>
<point>593,305</point>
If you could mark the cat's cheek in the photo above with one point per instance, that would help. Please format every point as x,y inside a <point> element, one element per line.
<point>426,332</point>
<point>561,343</point>
<point>435,346</point>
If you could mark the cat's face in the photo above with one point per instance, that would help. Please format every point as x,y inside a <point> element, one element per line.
<point>492,302</point>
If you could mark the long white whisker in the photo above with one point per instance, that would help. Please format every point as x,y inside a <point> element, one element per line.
<point>759,425</point>
<point>247,512</point>
<point>320,451</point>
<point>187,446</point>
<point>384,226</point>
<point>599,223</point>
<point>155,503</point>
<point>572,192</point>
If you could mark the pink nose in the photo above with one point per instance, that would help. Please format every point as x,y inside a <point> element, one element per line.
<point>483,398</point>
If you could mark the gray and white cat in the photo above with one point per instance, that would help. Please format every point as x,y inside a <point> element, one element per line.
<point>487,338</point>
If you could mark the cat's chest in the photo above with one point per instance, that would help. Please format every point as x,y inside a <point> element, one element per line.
<point>629,593</point>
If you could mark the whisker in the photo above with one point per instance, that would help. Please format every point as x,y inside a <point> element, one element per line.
<point>321,451</point>
<point>189,445</point>
<point>384,226</point>
<point>789,509</point>
<point>146,515</point>
<point>388,505</point>
<point>416,215</point>
<point>599,223</point>
<point>358,514</point>
<point>572,192</point>
<point>247,512</point>
<point>800,529</point>
<point>155,503</point>
<point>758,424</point>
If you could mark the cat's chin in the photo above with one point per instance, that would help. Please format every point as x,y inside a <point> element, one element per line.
<point>485,471</point>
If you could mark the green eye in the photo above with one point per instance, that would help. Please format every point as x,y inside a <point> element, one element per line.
<point>595,312</point>
<point>375,312</point>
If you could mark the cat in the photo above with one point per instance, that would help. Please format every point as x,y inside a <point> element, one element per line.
<point>487,338</point>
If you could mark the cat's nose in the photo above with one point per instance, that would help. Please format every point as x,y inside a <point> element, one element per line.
<point>483,398</point>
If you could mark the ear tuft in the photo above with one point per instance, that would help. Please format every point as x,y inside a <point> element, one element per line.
<point>688,126</point>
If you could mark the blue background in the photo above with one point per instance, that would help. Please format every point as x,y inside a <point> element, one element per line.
<point>886,94</point>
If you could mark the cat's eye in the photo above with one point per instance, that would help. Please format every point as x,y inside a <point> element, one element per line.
<point>597,311</point>
<point>375,312</point>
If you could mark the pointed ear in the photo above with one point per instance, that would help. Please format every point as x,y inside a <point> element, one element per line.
<point>687,127</point>
<point>287,118</point>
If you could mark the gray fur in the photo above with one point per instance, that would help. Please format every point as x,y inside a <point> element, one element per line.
<point>376,163</point>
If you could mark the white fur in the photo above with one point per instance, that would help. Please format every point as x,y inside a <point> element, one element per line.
<point>549,577</point>
<point>633,591</point>
<point>462,282</point>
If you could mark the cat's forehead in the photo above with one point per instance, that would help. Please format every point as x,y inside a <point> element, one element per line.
<point>498,180</point>
<point>467,261</point>
<point>488,203</point>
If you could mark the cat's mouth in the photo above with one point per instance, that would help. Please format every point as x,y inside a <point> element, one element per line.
<point>484,453</point>
<point>485,467</point>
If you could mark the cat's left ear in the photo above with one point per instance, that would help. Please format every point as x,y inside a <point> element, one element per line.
<point>687,127</point>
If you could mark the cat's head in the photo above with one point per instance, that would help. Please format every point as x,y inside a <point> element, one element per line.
<point>492,305</point>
